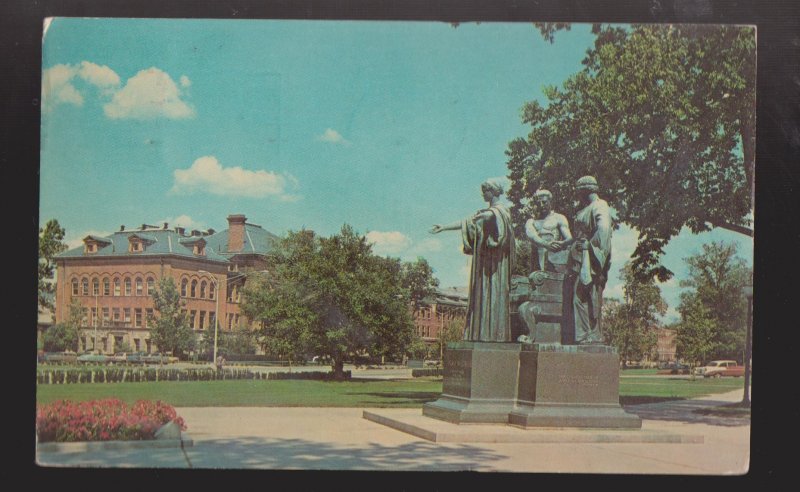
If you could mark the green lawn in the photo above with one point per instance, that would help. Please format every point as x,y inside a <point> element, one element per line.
<point>355,393</point>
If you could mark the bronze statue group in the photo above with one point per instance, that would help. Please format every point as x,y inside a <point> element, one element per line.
<point>581,253</point>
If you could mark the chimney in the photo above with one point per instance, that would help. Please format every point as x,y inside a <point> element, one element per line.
<point>211,231</point>
<point>121,228</point>
<point>166,226</point>
<point>236,232</point>
<point>179,230</point>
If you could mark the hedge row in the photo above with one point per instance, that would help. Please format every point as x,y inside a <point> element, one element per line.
<point>130,375</point>
<point>426,372</point>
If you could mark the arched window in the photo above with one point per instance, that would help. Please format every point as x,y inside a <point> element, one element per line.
<point>139,286</point>
<point>151,285</point>
<point>194,289</point>
<point>203,289</point>
<point>106,287</point>
<point>96,287</point>
<point>212,291</point>
<point>184,283</point>
<point>74,286</point>
<point>117,292</point>
<point>127,286</point>
<point>85,286</point>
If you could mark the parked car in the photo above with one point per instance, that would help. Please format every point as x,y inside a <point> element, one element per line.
<point>134,358</point>
<point>720,368</point>
<point>118,358</point>
<point>158,358</point>
<point>673,368</point>
<point>93,358</point>
<point>66,357</point>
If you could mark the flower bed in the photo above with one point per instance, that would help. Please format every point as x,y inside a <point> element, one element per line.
<point>103,420</point>
<point>139,374</point>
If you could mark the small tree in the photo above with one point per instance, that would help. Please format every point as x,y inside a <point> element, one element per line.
<point>123,347</point>
<point>50,244</point>
<point>241,341</point>
<point>65,336</point>
<point>453,331</point>
<point>418,280</point>
<point>171,331</point>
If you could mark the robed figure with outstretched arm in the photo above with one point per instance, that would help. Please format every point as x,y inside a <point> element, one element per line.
<point>489,237</point>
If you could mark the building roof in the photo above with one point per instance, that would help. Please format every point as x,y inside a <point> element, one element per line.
<point>162,242</point>
<point>257,241</point>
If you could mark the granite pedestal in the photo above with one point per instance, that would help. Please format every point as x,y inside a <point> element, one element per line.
<point>480,383</point>
<point>570,386</point>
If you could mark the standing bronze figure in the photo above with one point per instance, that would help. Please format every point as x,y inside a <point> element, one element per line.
<point>589,261</point>
<point>489,237</point>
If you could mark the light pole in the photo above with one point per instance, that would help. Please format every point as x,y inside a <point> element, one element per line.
<point>216,295</point>
<point>216,313</point>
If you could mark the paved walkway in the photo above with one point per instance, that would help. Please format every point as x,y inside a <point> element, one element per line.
<point>339,438</point>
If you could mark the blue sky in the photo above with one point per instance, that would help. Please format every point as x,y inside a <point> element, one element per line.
<point>388,126</point>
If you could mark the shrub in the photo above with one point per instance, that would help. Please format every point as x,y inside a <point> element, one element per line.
<point>103,420</point>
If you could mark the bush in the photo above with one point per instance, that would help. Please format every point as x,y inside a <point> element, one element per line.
<point>101,374</point>
<point>103,420</point>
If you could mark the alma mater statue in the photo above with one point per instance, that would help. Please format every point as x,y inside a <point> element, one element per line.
<point>489,237</point>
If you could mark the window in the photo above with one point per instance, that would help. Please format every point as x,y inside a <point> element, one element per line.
<point>116,314</point>
<point>116,287</point>
<point>151,285</point>
<point>203,289</point>
<point>85,286</point>
<point>106,317</point>
<point>139,286</point>
<point>94,320</point>
<point>106,287</point>
<point>95,287</point>
<point>137,317</point>
<point>75,287</point>
<point>184,283</point>
<point>127,286</point>
<point>212,291</point>
<point>149,314</point>
<point>230,321</point>
<point>193,292</point>
<point>192,318</point>
<point>212,318</point>
<point>137,344</point>
<point>202,322</point>
<point>127,312</point>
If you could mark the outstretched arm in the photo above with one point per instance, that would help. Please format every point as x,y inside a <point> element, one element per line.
<point>454,226</point>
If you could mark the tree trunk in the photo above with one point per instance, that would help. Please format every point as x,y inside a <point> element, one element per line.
<point>338,369</point>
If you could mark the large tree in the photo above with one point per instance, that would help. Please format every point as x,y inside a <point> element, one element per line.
<point>714,309</point>
<point>629,325</point>
<point>418,280</point>
<point>664,117</point>
<point>332,297</point>
<point>171,331</point>
<point>51,243</point>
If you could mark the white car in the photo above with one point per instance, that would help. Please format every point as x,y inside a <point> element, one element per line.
<point>717,368</point>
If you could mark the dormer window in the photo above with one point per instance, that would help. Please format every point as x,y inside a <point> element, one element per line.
<point>93,244</point>
<point>137,243</point>
<point>198,245</point>
<point>199,249</point>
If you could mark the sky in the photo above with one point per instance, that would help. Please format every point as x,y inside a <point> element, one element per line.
<point>388,126</point>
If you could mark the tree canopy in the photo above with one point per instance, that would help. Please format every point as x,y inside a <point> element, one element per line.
<point>65,335</point>
<point>51,238</point>
<point>332,297</point>
<point>664,118</point>
<point>170,331</point>
<point>714,310</point>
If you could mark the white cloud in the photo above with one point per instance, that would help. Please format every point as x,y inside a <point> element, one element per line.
<point>185,82</point>
<point>57,87</point>
<point>207,175</point>
<point>149,94</point>
<point>182,221</point>
<point>391,242</point>
<point>332,136</point>
<point>429,245</point>
<point>76,240</point>
<point>97,75</point>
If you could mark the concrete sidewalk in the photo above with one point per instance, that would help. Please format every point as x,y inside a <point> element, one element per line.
<point>340,439</point>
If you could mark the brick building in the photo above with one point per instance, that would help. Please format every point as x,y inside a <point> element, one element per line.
<point>113,278</point>
<point>438,311</point>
